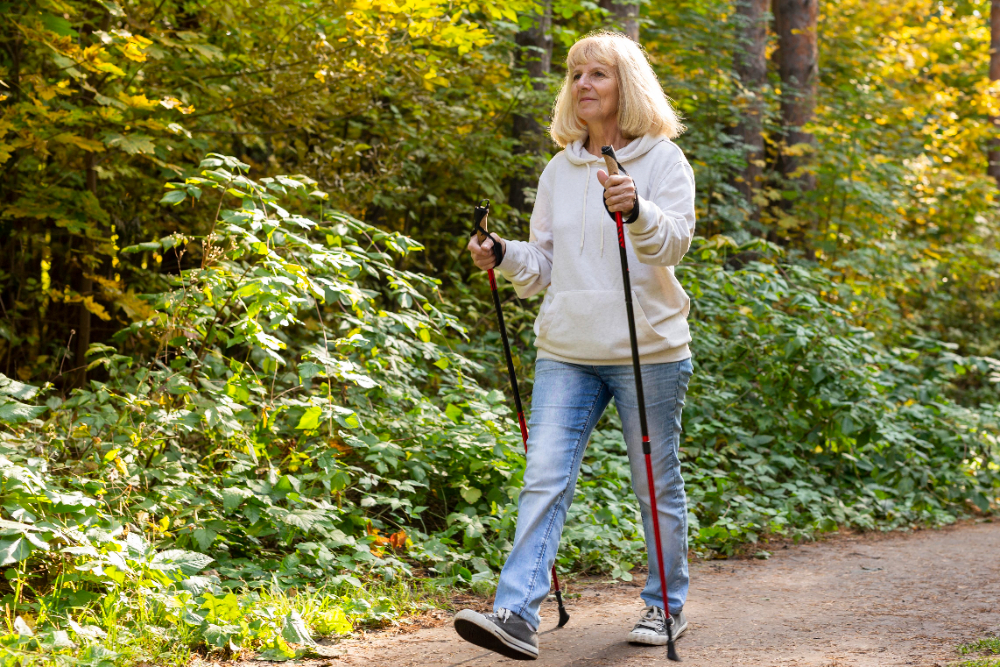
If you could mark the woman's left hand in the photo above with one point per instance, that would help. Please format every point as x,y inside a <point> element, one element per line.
<point>619,192</point>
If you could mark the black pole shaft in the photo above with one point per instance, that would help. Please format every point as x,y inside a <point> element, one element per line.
<point>510,360</point>
<point>646,450</point>
<point>633,341</point>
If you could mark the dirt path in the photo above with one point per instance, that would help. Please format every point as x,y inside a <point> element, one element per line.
<point>851,601</point>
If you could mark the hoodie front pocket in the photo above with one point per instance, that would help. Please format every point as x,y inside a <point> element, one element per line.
<point>593,326</point>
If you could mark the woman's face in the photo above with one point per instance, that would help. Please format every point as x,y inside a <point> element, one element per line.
<point>595,92</point>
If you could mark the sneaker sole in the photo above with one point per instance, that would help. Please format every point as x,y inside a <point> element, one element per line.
<point>650,639</point>
<point>475,629</point>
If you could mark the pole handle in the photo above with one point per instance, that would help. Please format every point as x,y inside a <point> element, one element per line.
<point>481,230</point>
<point>610,159</point>
<point>482,215</point>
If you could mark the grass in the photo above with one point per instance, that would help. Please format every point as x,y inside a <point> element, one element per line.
<point>989,645</point>
<point>136,633</point>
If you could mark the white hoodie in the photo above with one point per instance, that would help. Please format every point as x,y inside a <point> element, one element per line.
<point>573,250</point>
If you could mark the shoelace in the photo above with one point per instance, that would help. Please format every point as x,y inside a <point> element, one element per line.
<point>653,619</point>
<point>503,614</point>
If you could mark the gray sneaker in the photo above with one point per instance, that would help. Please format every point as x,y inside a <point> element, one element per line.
<point>503,632</point>
<point>651,630</point>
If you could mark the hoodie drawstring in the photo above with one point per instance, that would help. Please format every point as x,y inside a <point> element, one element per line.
<point>602,233</point>
<point>583,221</point>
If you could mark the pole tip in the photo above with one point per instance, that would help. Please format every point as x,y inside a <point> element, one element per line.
<point>672,652</point>
<point>563,614</point>
<point>671,649</point>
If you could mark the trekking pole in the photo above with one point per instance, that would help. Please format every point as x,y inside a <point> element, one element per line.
<point>614,168</point>
<point>481,214</point>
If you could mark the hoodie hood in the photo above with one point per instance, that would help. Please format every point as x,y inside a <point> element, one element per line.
<point>577,154</point>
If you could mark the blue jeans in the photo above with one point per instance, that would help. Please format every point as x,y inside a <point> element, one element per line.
<point>566,404</point>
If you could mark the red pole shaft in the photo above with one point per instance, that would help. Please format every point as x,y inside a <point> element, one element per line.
<point>656,527</point>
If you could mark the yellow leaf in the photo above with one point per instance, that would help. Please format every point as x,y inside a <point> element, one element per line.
<point>109,67</point>
<point>137,101</point>
<point>174,103</point>
<point>88,145</point>
<point>95,308</point>
<point>134,49</point>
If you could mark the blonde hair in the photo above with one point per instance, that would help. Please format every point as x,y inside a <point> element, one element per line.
<point>643,107</point>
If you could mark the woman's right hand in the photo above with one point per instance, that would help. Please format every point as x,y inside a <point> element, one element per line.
<point>482,255</point>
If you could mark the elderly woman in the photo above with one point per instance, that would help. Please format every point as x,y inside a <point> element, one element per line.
<point>610,97</point>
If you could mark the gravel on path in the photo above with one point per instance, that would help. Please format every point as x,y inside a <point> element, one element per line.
<point>850,601</point>
<point>868,600</point>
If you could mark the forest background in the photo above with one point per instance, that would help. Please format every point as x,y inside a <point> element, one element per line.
<point>252,389</point>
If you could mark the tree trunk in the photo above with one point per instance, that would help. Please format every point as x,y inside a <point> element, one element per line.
<point>795,21</point>
<point>86,284</point>
<point>626,16</point>
<point>993,169</point>
<point>534,54</point>
<point>750,64</point>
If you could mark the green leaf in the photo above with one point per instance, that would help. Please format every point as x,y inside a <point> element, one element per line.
<point>233,497</point>
<point>452,412</point>
<point>332,622</point>
<point>173,197</point>
<point>16,389</point>
<point>14,412</point>
<point>302,519</point>
<point>59,25</point>
<point>350,421</point>
<point>15,527</point>
<point>204,537</point>
<point>225,608</point>
<point>310,418</point>
<point>295,630</point>
<point>96,655</point>
<point>14,551</point>
<point>247,289</point>
<point>188,562</point>
<point>148,246</point>
<point>220,636</point>
<point>133,144</point>
<point>981,501</point>
<point>278,650</point>
<point>471,495</point>
<point>113,8</point>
